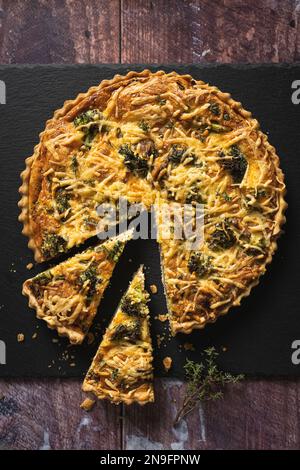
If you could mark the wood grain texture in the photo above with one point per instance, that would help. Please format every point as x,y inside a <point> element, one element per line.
<point>256,414</point>
<point>156,31</point>
<point>227,31</point>
<point>55,31</point>
<point>45,413</point>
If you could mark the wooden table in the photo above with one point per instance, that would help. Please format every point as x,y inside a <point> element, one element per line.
<point>44,414</point>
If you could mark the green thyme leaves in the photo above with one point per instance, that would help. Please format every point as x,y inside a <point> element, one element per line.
<point>205,382</point>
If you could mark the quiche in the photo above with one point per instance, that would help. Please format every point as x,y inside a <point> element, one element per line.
<point>121,370</point>
<point>67,296</point>
<point>156,139</point>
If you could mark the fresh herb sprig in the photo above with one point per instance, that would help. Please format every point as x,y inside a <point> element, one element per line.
<point>204,382</point>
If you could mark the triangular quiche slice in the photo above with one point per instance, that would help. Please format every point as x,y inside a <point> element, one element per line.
<point>121,370</point>
<point>67,296</point>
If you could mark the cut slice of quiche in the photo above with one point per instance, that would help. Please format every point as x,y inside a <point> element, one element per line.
<point>121,370</point>
<point>68,295</point>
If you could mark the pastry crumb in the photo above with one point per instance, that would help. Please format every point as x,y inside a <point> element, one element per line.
<point>20,337</point>
<point>87,404</point>
<point>224,348</point>
<point>29,266</point>
<point>153,289</point>
<point>163,317</point>
<point>34,336</point>
<point>167,362</point>
<point>72,364</point>
<point>90,338</point>
<point>189,347</point>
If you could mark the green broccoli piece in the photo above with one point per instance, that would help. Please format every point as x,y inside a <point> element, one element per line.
<point>236,165</point>
<point>136,164</point>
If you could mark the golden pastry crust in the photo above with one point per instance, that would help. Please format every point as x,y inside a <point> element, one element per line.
<point>121,370</point>
<point>165,137</point>
<point>68,295</point>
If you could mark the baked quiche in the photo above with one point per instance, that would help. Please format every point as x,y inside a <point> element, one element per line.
<point>121,370</point>
<point>162,138</point>
<point>67,296</point>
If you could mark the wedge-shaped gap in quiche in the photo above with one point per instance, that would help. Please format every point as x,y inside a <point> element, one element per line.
<point>122,370</point>
<point>67,296</point>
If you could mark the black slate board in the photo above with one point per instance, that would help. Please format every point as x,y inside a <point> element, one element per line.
<point>258,335</point>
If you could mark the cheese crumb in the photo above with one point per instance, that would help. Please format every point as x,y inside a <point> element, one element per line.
<point>34,336</point>
<point>153,289</point>
<point>167,362</point>
<point>163,318</point>
<point>29,266</point>
<point>20,337</point>
<point>87,404</point>
<point>90,338</point>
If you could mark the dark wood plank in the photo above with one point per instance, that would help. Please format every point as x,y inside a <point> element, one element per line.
<point>205,31</point>
<point>45,414</point>
<point>244,31</point>
<point>253,415</point>
<point>59,32</point>
<point>156,31</point>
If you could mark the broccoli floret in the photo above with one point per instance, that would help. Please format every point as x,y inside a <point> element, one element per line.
<point>236,165</point>
<point>90,130</point>
<point>62,200</point>
<point>199,264</point>
<point>133,309</point>
<point>87,117</point>
<point>176,154</point>
<point>136,164</point>
<point>194,195</point>
<point>130,331</point>
<point>44,278</point>
<point>90,275</point>
<point>222,238</point>
<point>144,126</point>
<point>74,164</point>
<point>52,245</point>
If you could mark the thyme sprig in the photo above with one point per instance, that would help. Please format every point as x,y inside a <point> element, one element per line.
<point>205,382</point>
